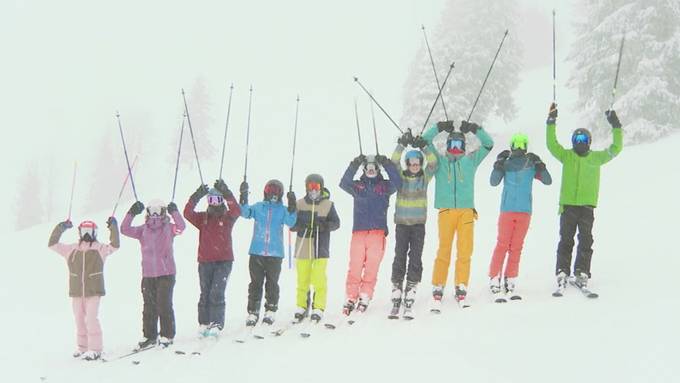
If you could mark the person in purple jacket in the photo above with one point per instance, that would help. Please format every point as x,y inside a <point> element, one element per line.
<point>156,236</point>
<point>371,193</point>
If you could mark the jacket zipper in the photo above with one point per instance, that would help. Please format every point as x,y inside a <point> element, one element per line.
<point>312,255</point>
<point>82,277</point>
<point>266,231</point>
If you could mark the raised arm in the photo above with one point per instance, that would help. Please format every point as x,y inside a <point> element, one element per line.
<point>393,172</point>
<point>54,244</point>
<point>347,181</point>
<point>615,148</point>
<point>557,150</point>
<point>485,139</point>
<point>126,227</point>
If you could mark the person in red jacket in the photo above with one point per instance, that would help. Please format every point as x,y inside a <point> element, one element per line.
<point>215,254</point>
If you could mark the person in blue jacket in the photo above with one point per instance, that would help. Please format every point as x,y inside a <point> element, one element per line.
<point>266,247</point>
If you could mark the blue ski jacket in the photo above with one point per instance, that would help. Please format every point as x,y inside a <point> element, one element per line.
<point>517,175</point>
<point>268,228</point>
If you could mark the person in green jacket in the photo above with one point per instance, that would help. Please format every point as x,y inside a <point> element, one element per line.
<point>578,194</point>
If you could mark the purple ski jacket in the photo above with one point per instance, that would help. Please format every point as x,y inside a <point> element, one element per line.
<point>155,238</point>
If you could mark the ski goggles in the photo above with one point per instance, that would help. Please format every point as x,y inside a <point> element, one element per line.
<point>214,200</point>
<point>87,227</point>
<point>314,186</point>
<point>156,211</point>
<point>580,138</point>
<point>272,189</point>
<point>454,144</point>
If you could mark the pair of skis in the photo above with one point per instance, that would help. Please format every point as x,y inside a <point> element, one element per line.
<point>436,307</point>
<point>583,289</point>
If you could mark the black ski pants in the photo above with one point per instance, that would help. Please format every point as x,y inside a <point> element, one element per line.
<point>157,294</point>
<point>409,246</point>
<point>213,278</point>
<point>263,271</point>
<point>573,218</point>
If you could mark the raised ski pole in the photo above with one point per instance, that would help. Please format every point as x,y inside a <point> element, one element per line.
<point>127,159</point>
<point>179,150</point>
<point>453,64</point>
<point>226,128</point>
<point>434,70</point>
<point>356,79</point>
<point>375,132</point>
<point>250,102</point>
<point>290,185</point>
<point>191,132</point>
<point>356,118</point>
<point>618,67</point>
<point>73,186</point>
<point>554,63</point>
<point>122,188</point>
<point>487,74</point>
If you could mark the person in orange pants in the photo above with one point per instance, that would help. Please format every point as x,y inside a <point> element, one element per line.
<point>371,195</point>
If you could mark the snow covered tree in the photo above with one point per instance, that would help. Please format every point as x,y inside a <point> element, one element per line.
<point>648,92</point>
<point>469,34</point>
<point>29,208</point>
<point>202,123</point>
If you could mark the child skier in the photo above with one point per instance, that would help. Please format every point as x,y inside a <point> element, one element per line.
<point>316,218</point>
<point>266,247</point>
<point>215,254</point>
<point>578,195</point>
<point>156,238</point>
<point>410,215</point>
<point>371,193</point>
<point>517,168</point>
<point>454,197</point>
<point>85,261</point>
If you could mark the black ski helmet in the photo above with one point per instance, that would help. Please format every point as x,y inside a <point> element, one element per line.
<point>273,188</point>
<point>314,178</point>
<point>580,141</point>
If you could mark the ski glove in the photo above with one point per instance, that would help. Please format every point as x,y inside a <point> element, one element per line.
<point>172,207</point>
<point>358,160</point>
<point>243,189</point>
<point>292,204</point>
<point>222,187</point>
<point>201,192</point>
<point>381,160</point>
<point>419,142</point>
<point>466,126</point>
<point>406,138</point>
<point>503,155</point>
<point>552,114</point>
<point>136,208</point>
<point>539,165</point>
<point>111,222</point>
<point>445,126</point>
<point>499,165</point>
<point>613,119</point>
<point>65,225</point>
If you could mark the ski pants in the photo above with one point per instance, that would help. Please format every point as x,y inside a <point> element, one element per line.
<point>88,330</point>
<point>213,278</point>
<point>571,219</point>
<point>311,272</point>
<point>512,229</point>
<point>157,294</point>
<point>263,271</point>
<point>365,254</point>
<point>452,222</point>
<point>409,246</point>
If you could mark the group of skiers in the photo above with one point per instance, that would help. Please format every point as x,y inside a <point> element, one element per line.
<point>313,217</point>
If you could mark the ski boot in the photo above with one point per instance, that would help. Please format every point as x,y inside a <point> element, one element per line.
<point>510,285</point>
<point>409,299</point>
<point>581,280</point>
<point>145,343</point>
<point>396,301</point>
<point>214,330</point>
<point>363,303</point>
<point>437,295</point>
<point>203,330</point>
<point>316,316</point>
<point>300,314</point>
<point>269,317</point>
<point>251,320</point>
<point>92,355</point>
<point>460,295</point>
<point>348,307</point>
<point>78,353</point>
<point>495,288</point>
<point>164,342</point>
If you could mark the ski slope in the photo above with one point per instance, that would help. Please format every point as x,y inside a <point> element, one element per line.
<point>629,334</point>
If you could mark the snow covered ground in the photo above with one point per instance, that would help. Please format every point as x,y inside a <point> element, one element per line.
<point>629,334</point>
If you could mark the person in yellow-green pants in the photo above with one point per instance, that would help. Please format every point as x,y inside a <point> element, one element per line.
<point>315,220</point>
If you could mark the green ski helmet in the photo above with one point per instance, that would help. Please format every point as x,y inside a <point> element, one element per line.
<point>519,141</point>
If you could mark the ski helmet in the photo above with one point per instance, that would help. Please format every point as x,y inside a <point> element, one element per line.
<point>519,141</point>
<point>455,143</point>
<point>273,191</point>
<point>156,208</point>
<point>580,141</point>
<point>314,182</point>
<point>371,168</point>
<point>215,198</point>
<point>411,154</point>
<point>87,230</point>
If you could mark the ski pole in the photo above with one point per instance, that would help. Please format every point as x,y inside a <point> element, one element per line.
<point>73,186</point>
<point>179,150</point>
<point>127,159</point>
<point>120,194</point>
<point>356,79</point>
<point>191,132</point>
<point>487,74</point>
<point>375,132</point>
<point>618,67</point>
<point>226,127</point>
<point>292,162</point>
<point>554,63</point>
<point>250,102</point>
<point>356,117</point>
<point>446,79</point>
<point>434,70</point>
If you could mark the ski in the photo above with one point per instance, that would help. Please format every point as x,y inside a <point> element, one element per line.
<point>280,331</point>
<point>584,290</point>
<point>499,298</point>
<point>436,307</point>
<point>245,334</point>
<point>515,297</point>
<point>308,328</point>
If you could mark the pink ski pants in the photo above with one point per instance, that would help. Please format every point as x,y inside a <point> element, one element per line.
<point>365,254</point>
<point>89,332</point>
<point>512,228</point>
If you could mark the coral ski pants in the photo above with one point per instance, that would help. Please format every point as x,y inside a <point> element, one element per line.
<point>452,222</point>
<point>366,251</point>
<point>311,272</point>
<point>88,330</point>
<point>512,228</point>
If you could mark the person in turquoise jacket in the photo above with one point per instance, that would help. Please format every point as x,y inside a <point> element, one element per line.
<point>266,247</point>
<point>579,194</point>
<point>454,197</point>
<point>517,168</point>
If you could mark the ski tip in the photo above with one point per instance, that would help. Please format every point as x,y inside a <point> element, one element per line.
<point>393,317</point>
<point>435,311</point>
<point>135,362</point>
<point>329,326</point>
<point>179,352</point>
<point>305,334</point>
